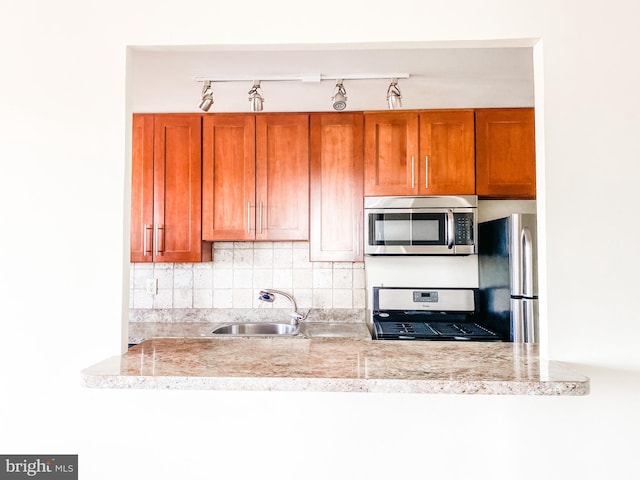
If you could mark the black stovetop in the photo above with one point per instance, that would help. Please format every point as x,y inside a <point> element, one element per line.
<point>409,325</point>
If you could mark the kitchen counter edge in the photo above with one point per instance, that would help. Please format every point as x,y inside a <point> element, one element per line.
<point>336,365</point>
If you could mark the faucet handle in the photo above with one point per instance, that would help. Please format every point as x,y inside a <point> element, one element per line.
<point>266,296</point>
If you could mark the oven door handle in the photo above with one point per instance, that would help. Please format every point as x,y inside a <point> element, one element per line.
<point>450,228</point>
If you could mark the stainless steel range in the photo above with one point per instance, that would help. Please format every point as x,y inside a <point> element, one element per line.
<point>427,314</point>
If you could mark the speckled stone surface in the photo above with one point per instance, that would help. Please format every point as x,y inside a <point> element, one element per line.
<point>141,331</point>
<point>146,324</point>
<point>334,363</point>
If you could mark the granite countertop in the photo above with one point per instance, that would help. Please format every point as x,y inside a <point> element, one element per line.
<point>141,331</point>
<point>333,362</point>
<point>146,324</point>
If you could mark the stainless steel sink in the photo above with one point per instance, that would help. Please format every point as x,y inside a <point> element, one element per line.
<point>257,329</point>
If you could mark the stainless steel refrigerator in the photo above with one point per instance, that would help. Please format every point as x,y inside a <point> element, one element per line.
<point>508,276</point>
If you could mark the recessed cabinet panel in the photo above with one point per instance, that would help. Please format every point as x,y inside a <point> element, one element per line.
<point>505,153</point>
<point>141,234</point>
<point>176,176</point>
<point>390,153</point>
<point>336,189</point>
<point>282,177</point>
<point>228,186</point>
<point>447,161</point>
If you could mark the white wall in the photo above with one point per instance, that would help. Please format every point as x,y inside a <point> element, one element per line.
<point>62,184</point>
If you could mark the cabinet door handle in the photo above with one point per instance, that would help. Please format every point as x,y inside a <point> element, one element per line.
<point>156,239</point>
<point>248,217</point>
<point>145,236</point>
<point>426,171</point>
<point>413,172</point>
<point>261,217</point>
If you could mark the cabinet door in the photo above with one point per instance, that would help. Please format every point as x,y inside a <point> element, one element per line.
<point>505,153</point>
<point>447,161</point>
<point>141,234</point>
<point>336,190</point>
<point>391,153</point>
<point>177,189</point>
<point>282,177</point>
<point>228,179</point>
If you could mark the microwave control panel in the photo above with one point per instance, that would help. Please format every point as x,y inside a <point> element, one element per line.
<point>463,228</point>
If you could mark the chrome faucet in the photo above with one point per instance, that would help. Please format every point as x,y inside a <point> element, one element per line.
<point>269,295</point>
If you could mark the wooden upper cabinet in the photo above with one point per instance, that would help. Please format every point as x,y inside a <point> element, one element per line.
<point>172,233</point>
<point>282,176</point>
<point>336,188</point>
<point>391,153</point>
<point>141,240</point>
<point>505,153</point>
<point>447,162</point>
<point>420,153</point>
<point>228,183</point>
<point>256,177</point>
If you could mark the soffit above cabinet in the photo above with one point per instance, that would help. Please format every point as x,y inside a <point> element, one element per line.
<point>162,78</point>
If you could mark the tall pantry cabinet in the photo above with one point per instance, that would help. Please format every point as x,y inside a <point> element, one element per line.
<point>166,189</point>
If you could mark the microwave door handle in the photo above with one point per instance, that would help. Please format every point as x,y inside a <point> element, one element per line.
<point>450,227</point>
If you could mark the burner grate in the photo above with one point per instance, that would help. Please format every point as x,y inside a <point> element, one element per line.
<point>434,331</point>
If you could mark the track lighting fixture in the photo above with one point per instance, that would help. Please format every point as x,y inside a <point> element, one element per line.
<point>339,98</point>
<point>207,97</point>
<point>255,97</point>
<point>394,98</point>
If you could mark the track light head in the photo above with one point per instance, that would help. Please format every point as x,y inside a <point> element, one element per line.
<point>256,99</point>
<point>339,98</point>
<point>394,97</point>
<point>207,97</point>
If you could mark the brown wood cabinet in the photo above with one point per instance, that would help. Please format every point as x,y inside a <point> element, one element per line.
<point>505,153</point>
<point>390,152</point>
<point>447,157</point>
<point>420,153</point>
<point>166,189</point>
<point>337,188</point>
<point>228,181</point>
<point>256,177</point>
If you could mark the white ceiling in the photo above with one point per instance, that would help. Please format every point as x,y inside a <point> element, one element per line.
<point>162,78</point>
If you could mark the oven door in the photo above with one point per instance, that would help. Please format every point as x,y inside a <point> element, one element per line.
<point>409,232</point>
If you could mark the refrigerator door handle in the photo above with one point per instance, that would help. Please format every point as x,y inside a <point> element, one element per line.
<point>523,320</point>
<point>529,322</point>
<point>518,321</point>
<point>526,243</point>
<point>528,317</point>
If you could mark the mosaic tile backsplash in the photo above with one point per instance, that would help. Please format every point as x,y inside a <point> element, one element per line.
<point>240,269</point>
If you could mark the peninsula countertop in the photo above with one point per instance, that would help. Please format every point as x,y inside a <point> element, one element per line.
<point>335,363</point>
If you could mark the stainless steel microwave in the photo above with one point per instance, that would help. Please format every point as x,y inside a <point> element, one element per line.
<point>427,225</point>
